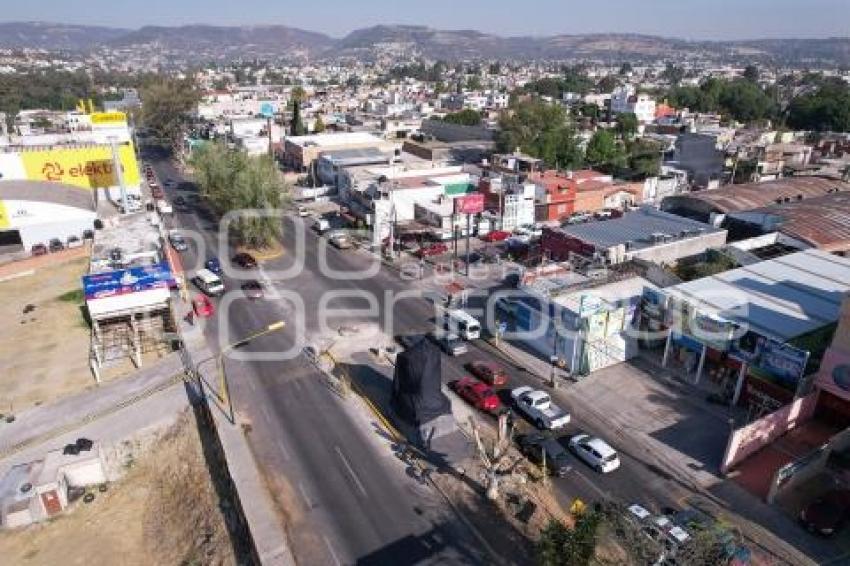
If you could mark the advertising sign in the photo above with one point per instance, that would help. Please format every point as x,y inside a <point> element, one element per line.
<point>86,167</point>
<point>108,118</point>
<point>124,281</point>
<point>469,204</point>
<point>267,110</point>
<point>5,223</point>
<point>782,361</point>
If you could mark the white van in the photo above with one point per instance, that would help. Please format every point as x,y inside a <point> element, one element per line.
<point>208,282</point>
<point>163,207</point>
<point>463,324</point>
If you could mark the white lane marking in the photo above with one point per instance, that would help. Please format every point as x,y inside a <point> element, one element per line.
<point>266,414</point>
<point>306,497</point>
<point>283,449</point>
<point>593,486</point>
<point>351,471</point>
<point>331,550</point>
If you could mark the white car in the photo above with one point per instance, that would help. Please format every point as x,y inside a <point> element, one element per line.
<point>595,452</point>
<point>303,212</point>
<point>538,407</point>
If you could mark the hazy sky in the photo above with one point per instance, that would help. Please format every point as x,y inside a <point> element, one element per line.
<point>698,19</point>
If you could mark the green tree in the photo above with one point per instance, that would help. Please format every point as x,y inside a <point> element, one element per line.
<point>296,125</point>
<point>746,101</point>
<point>603,151</point>
<point>561,546</point>
<point>466,117</point>
<point>644,157</point>
<point>608,84</point>
<point>673,74</point>
<point>233,181</point>
<point>625,68</point>
<point>627,124</point>
<point>297,94</point>
<point>825,109</point>
<point>589,110</point>
<point>495,68</point>
<point>166,106</point>
<point>541,130</point>
<point>474,83</point>
<point>751,73</point>
<point>319,125</point>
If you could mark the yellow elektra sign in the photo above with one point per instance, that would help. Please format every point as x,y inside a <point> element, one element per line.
<point>102,118</point>
<point>5,223</point>
<point>87,167</point>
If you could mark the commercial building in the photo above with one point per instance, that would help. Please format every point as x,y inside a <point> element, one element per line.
<point>711,206</point>
<point>299,152</point>
<point>758,331</point>
<point>647,234</point>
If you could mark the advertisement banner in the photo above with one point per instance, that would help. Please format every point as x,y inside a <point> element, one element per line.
<point>86,167</point>
<point>782,361</point>
<point>124,281</point>
<point>108,118</point>
<point>470,204</point>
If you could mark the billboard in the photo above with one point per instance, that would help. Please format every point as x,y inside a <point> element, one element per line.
<point>108,119</point>
<point>88,167</point>
<point>469,204</point>
<point>784,362</point>
<point>125,281</point>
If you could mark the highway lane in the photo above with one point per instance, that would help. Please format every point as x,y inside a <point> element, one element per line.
<point>342,495</point>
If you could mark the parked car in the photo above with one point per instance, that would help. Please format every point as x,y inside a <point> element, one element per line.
<point>178,242</point>
<point>202,306</point>
<point>88,234</point>
<point>56,245</point>
<point>432,250</point>
<point>244,260</point>
<point>74,242</point>
<point>450,344</point>
<point>538,407</point>
<point>489,372</point>
<point>214,265</point>
<point>496,236</point>
<point>38,249</point>
<point>321,226</point>
<point>597,453</point>
<point>208,282</point>
<point>477,394</point>
<point>535,444</point>
<point>531,231</point>
<point>828,513</point>
<point>157,192</point>
<point>179,201</point>
<point>303,212</point>
<point>253,289</point>
<point>164,208</point>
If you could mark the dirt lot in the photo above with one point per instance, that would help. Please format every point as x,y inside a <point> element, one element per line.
<point>164,511</point>
<point>44,351</point>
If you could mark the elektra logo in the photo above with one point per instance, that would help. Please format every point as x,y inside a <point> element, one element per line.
<point>52,171</point>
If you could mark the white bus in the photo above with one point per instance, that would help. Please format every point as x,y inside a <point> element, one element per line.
<point>463,324</point>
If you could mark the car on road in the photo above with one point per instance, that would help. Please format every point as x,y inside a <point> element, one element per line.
<point>432,250</point>
<point>253,289</point>
<point>244,260</point>
<point>156,192</point>
<point>321,226</point>
<point>477,394</point>
<point>496,236</point>
<point>202,306</point>
<point>488,372</point>
<point>208,282</point>
<point>450,344</point>
<point>74,242</point>
<point>303,212</point>
<point>180,201</point>
<point>534,445</point>
<point>38,249</point>
<point>537,406</point>
<point>178,242</point>
<point>164,208</point>
<point>340,240</point>
<point>56,245</point>
<point>214,265</point>
<point>597,453</point>
<point>828,513</point>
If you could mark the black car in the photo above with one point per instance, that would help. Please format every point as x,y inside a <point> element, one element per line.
<point>56,245</point>
<point>245,260</point>
<point>534,445</point>
<point>828,513</point>
<point>179,201</point>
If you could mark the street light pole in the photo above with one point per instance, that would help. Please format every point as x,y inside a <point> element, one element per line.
<point>223,385</point>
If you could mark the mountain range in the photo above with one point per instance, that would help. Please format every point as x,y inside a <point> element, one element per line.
<point>206,42</point>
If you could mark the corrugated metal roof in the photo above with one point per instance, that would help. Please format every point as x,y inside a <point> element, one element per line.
<point>636,227</point>
<point>780,298</point>
<point>755,195</point>
<point>46,191</point>
<point>823,222</point>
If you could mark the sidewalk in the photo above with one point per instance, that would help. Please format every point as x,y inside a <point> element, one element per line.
<point>267,532</point>
<point>41,423</point>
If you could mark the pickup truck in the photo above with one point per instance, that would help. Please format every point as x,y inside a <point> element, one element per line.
<point>539,409</point>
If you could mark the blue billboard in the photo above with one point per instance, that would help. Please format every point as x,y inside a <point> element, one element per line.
<point>124,281</point>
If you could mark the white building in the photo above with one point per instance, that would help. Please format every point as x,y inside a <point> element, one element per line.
<point>625,99</point>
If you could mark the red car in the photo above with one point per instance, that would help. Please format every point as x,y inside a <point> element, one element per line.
<point>489,372</point>
<point>433,249</point>
<point>496,236</point>
<point>156,192</point>
<point>202,306</point>
<point>477,394</point>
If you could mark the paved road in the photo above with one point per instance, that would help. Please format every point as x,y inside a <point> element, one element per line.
<point>343,496</point>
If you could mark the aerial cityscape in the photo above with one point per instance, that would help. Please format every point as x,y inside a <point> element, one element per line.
<point>361,283</point>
